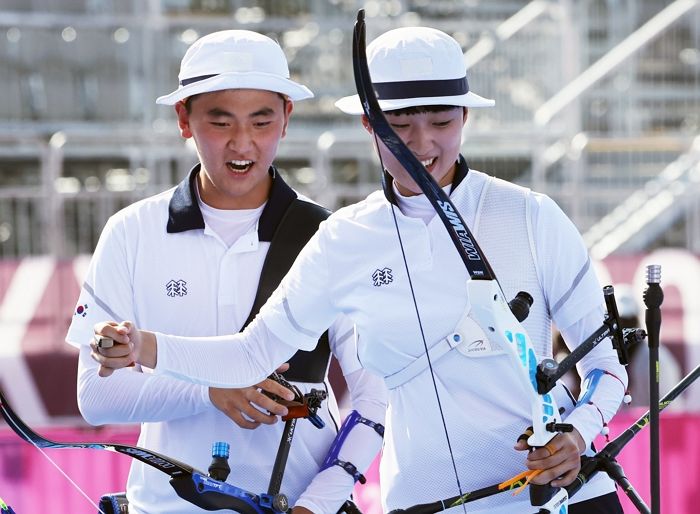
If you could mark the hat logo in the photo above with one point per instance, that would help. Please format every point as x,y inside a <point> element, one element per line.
<point>417,67</point>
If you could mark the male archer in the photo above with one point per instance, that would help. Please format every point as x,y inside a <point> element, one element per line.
<point>197,260</point>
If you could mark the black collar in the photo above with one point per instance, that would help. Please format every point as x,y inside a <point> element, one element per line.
<point>184,213</point>
<point>460,172</point>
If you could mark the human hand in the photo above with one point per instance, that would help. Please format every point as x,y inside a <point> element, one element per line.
<point>244,405</point>
<point>129,345</point>
<point>559,460</point>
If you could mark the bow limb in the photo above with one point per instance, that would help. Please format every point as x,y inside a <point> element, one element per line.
<point>26,433</point>
<point>489,306</point>
<point>190,484</point>
<point>5,508</point>
<point>477,266</point>
<point>165,464</point>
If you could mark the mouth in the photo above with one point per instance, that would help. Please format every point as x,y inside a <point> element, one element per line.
<point>239,167</point>
<point>428,163</point>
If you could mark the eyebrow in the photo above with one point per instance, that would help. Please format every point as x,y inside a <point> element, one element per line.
<point>265,111</point>
<point>218,112</point>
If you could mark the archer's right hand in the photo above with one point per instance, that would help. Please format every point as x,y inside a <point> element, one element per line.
<point>249,407</point>
<point>124,351</point>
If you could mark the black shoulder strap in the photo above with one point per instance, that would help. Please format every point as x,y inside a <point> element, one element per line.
<point>299,223</point>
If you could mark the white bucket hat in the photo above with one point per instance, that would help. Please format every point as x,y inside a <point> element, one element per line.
<point>415,66</point>
<point>234,59</point>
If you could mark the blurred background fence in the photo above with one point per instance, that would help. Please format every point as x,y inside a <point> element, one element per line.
<point>597,105</point>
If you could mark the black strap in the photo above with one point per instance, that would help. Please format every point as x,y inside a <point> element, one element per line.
<point>296,227</point>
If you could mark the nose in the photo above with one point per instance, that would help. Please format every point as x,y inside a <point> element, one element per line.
<point>420,142</point>
<point>240,139</point>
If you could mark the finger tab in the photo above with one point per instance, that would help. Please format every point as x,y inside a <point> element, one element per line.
<point>104,342</point>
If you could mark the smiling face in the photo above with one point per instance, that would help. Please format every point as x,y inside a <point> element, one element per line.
<point>236,132</point>
<point>434,137</point>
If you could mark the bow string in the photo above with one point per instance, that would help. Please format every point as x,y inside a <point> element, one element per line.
<point>489,307</point>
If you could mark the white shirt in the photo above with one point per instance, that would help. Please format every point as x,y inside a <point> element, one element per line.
<point>190,282</point>
<point>355,266</point>
<point>230,225</point>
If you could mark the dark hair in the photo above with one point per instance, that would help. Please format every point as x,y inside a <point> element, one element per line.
<point>188,101</point>
<point>423,108</point>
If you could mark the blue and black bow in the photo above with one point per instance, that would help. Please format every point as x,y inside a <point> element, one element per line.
<point>489,307</point>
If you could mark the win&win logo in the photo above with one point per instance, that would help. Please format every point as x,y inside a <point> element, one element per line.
<point>382,277</point>
<point>176,288</point>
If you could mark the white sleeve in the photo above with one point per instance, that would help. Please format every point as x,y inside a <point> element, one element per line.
<point>563,265</point>
<point>239,360</point>
<point>292,319</point>
<point>589,418</point>
<point>107,290</point>
<point>332,486</point>
<point>575,301</point>
<point>127,396</point>
<point>131,396</point>
<point>343,343</point>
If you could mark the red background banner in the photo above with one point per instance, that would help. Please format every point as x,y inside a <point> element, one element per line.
<point>37,374</point>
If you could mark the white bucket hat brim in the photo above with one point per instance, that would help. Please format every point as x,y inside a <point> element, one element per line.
<point>239,80</point>
<point>352,105</point>
<point>234,59</point>
<point>415,66</point>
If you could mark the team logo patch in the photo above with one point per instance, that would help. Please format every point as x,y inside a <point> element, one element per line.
<point>477,346</point>
<point>81,310</point>
<point>474,341</point>
<point>481,347</point>
<point>382,277</point>
<point>176,288</point>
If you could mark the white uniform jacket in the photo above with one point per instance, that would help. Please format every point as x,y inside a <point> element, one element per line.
<point>185,280</point>
<point>355,265</point>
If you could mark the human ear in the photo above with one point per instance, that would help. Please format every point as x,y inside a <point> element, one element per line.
<point>183,120</point>
<point>365,123</point>
<point>288,108</point>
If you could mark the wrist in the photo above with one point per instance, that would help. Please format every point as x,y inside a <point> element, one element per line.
<point>148,352</point>
<point>579,440</point>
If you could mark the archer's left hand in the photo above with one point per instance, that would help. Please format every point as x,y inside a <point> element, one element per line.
<point>559,460</point>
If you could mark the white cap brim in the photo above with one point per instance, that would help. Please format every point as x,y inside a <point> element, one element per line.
<point>352,105</point>
<point>239,80</point>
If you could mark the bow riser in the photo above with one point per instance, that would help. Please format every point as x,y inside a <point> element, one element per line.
<point>558,504</point>
<point>493,315</point>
